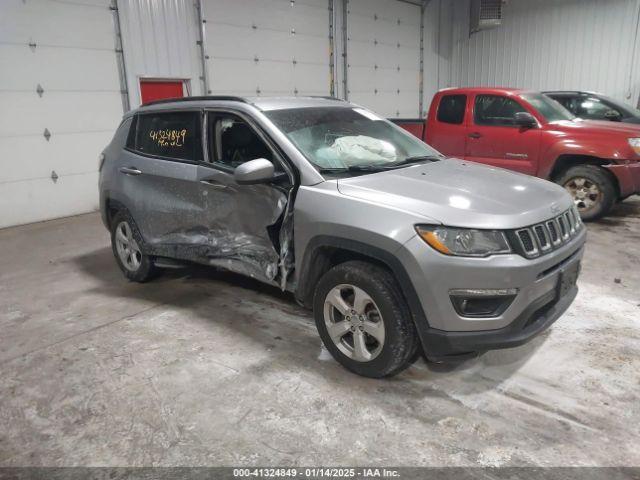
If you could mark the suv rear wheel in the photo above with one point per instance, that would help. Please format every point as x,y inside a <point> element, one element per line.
<point>364,321</point>
<point>592,189</point>
<point>125,243</point>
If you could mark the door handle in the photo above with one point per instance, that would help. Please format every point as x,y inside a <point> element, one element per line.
<point>475,135</point>
<point>130,171</point>
<point>214,184</point>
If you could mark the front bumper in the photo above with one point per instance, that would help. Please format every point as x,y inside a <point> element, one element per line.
<point>628,177</point>
<point>536,306</point>
<point>534,320</point>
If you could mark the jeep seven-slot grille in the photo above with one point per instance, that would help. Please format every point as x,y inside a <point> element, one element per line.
<point>544,237</point>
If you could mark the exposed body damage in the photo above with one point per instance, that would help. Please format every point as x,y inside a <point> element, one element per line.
<point>246,234</point>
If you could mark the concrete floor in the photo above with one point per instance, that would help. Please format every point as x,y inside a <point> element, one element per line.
<point>205,368</point>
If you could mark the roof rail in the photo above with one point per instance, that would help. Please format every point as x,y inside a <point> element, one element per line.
<point>200,98</point>
<point>327,97</point>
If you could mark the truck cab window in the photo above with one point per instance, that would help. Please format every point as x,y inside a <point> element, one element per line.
<point>496,110</point>
<point>451,109</point>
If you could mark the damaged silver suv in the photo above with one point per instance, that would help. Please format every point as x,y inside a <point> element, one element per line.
<point>397,249</point>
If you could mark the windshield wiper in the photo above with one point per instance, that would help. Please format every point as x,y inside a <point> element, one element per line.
<point>354,168</point>
<point>415,159</point>
<point>379,167</point>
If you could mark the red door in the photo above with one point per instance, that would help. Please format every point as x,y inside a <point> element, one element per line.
<point>494,138</point>
<point>151,90</point>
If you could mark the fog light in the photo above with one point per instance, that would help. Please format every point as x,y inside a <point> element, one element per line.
<point>482,302</point>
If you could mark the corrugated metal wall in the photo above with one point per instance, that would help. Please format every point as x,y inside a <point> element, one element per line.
<point>159,39</point>
<point>542,44</point>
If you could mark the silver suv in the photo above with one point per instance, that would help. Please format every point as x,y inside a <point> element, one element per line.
<point>398,250</point>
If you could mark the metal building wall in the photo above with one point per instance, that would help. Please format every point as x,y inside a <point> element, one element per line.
<point>383,56</point>
<point>61,103</point>
<point>268,47</point>
<point>160,41</point>
<point>542,44</point>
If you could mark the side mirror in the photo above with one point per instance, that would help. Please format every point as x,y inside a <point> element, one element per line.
<point>255,171</point>
<point>525,119</point>
<point>613,115</point>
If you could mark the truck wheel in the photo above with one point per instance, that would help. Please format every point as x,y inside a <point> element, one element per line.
<point>364,321</point>
<point>592,189</point>
<point>125,243</point>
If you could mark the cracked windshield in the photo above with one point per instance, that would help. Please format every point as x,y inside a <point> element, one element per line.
<point>338,139</point>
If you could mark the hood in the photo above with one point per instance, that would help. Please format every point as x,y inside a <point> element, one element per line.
<point>462,194</point>
<point>604,127</point>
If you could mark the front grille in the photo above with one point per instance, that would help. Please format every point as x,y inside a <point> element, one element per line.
<point>526,239</point>
<point>544,237</point>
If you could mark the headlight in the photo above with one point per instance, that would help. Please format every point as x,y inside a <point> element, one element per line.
<point>635,144</point>
<point>464,242</point>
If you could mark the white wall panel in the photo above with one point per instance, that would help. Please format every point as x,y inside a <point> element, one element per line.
<point>73,58</point>
<point>267,47</point>
<point>159,41</point>
<point>383,53</point>
<point>546,44</point>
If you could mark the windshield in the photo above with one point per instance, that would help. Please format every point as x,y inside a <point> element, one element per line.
<point>625,110</point>
<point>338,138</point>
<point>551,110</point>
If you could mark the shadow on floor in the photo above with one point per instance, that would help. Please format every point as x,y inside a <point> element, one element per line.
<point>205,290</point>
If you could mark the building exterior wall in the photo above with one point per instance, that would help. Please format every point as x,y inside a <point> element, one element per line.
<point>546,44</point>
<point>383,56</point>
<point>160,41</point>
<point>268,47</point>
<point>66,48</point>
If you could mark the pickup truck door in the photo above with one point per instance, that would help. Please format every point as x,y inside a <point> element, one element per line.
<point>493,137</point>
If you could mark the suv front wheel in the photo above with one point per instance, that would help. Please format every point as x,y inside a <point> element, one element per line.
<point>364,321</point>
<point>125,243</point>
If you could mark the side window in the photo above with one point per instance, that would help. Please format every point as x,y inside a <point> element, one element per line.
<point>495,110</point>
<point>131,136</point>
<point>234,142</point>
<point>570,103</point>
<point>595,109</point>
<point>451,109</point>
<point>170,135</point>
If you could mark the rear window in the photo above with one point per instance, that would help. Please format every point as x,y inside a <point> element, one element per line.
<point>174,135</point>
<point>451,109</point>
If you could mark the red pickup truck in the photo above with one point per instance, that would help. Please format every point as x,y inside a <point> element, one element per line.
<point>598,162</point>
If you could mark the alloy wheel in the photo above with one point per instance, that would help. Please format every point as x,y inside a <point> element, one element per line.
<point>127,248</point>
<point>586,194</point>
<point>354,322</point>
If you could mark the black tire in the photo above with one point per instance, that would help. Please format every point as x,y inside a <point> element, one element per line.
<point>401,344</point>
<point>146,270</point>
<point>592,175</point>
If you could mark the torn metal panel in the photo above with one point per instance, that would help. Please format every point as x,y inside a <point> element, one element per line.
<point>287,261</point>
<point>241,230</point>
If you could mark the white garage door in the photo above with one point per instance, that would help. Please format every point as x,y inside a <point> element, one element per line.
<point>383,56</point>
<point>268,47</point>
<point>66,48</point>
